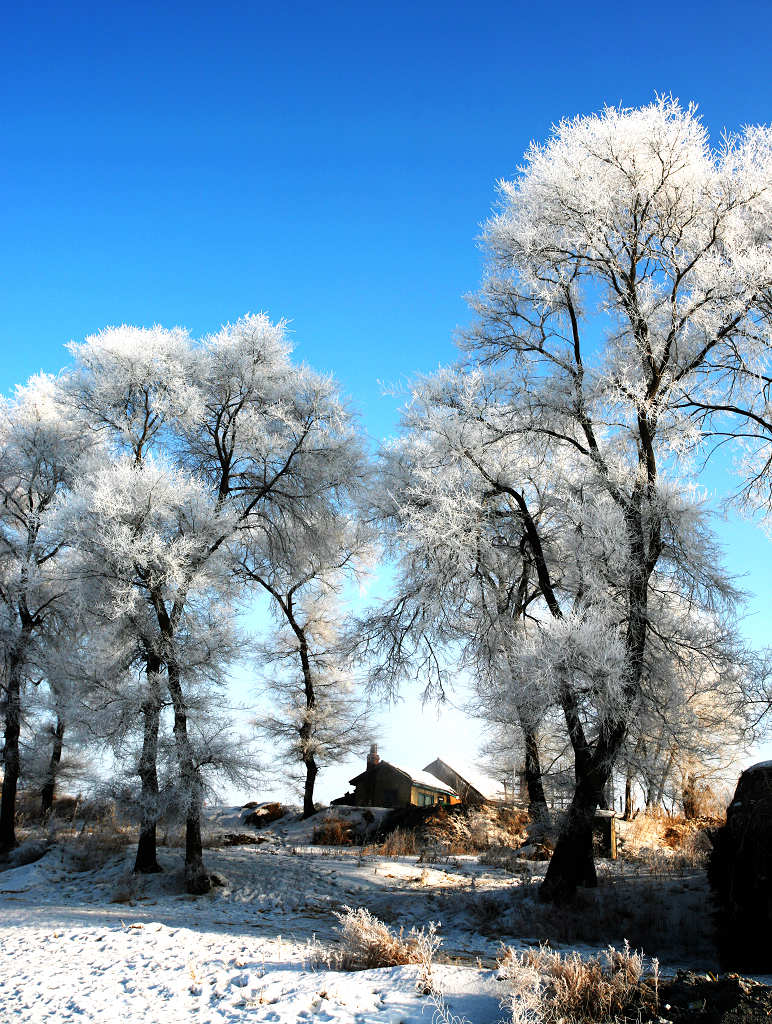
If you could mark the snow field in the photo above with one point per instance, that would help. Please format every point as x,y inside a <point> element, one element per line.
<point>104,945</point>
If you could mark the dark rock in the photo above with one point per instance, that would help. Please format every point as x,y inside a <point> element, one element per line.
<point>264,815</point>
<point>740,874</point>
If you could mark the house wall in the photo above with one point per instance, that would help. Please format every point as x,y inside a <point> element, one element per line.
<point>424,797</point>
<point>382,786</point>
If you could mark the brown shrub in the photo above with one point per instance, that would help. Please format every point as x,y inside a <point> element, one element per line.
<point>333,832</point>
<point>553,988</point>
<point>399,843</point>
<point>92,850</point>
<point>366,943</point>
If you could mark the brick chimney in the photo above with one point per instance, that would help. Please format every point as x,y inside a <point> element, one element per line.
<point>372,758</point>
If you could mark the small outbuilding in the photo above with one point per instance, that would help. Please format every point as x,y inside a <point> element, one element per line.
<point>470,785</point>
<point>385,785</point>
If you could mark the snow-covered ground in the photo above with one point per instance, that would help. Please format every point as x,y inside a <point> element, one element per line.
<point>104,945</point>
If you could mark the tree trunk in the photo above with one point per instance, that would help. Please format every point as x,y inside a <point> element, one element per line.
<point>573,864</point>
<point>197,878</point>
<point>628,813</point>
<point>690,796</point>
<point>537,801</point>
<point>11,761</point>
<point>308,791</point>
<point>306,729</point>
<point>146,861</point>
<point>49,786</point>
<point>664,776</point>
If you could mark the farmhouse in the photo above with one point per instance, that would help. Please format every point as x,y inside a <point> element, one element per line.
<point>385,785</point>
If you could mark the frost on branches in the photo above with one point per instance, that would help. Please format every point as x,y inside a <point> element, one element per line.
<point>320,715</point>
<point>550,473</point>
<point>625,226</point>
<point>208,450</point>
<point>40,448</point>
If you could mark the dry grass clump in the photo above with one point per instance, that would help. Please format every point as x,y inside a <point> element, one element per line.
<point>553,988</point>
<point>666,917</point>
<point>692,854</point>
<point>333,832</point>
<point>91,850</point>
<point>399,843</point>
<point>366,942</point>
<point>671,836</point>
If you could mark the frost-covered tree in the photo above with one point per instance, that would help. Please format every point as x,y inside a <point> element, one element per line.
<point>464,581</point>
<point>39,451</point>
<point>126,386</point>
<point>624,227</point>
<point>216,444</point>
<point>62,742</point>
<point>146,531</point>
<point>320,715</point>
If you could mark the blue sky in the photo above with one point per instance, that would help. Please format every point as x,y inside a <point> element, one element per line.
<point>328,163</point>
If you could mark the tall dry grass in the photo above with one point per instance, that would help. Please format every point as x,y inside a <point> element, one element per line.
<point>551,988</point>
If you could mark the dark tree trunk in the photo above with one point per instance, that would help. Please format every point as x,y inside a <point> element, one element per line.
<point>628,813</point>
<point>11,760</point>
<point>606,801</point>
<point>663,778</point>
<point>573,863</point>
<point>308,790</point>
<point>690,797</point>
<point>306,729</point>
<point>197,878</point>
<point>49,786</point>
<point>537,801</point>
<point>534,783</point>
<point>146,861</point>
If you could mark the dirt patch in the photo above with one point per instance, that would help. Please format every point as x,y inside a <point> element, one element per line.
<point>241,839</point>
<point>711,999</point>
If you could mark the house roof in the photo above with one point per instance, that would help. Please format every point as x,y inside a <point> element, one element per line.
<point>424,778</point>
<point>418,778</point>
<point>487,787</point>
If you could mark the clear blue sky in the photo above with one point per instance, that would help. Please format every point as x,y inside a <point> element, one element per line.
<point>330,163</point>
